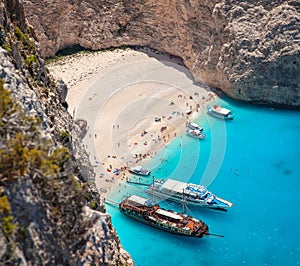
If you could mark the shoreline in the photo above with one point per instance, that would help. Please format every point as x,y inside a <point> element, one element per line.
<point>134,101</point>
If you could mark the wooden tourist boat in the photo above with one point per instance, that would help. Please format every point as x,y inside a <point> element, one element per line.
<point>147,212</point>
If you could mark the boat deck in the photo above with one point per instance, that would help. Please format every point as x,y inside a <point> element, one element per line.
<point>166,219</point>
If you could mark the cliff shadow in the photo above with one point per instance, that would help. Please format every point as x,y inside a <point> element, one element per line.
<point>171,61</point>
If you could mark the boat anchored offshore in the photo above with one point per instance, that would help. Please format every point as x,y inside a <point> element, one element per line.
<point>194,126</point>
<point>139,170</point>
<point>195,133</point>
<point>147,212</point>
<point>220,112</point>
<point>188,193</point>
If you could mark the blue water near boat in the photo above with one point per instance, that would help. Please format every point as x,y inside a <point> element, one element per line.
<point>252,161</point>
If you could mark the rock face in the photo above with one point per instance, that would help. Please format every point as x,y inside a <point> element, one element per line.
<point>50,209</point>
<point>249,49</point>
<point>260,55</point>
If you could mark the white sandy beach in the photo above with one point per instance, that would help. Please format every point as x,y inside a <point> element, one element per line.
<point>120,93</point>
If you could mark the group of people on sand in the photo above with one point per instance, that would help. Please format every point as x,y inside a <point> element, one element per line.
<point>140,157</point>
<point>144,137</point>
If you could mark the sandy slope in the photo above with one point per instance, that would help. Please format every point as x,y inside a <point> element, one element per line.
<point>120,93</point>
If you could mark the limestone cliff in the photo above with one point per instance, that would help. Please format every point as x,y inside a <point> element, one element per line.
<point>50,209</point>
<point>249,49</point>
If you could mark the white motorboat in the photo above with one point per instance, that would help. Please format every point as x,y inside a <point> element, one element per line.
<point>220,112</point>
<point>192,125</point>
<point>195,133</point>
<point>139,170</point>
<point>188,193</point>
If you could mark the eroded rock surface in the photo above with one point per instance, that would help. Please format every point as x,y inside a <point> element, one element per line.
<point>50,208</point>
<point>249,49</point>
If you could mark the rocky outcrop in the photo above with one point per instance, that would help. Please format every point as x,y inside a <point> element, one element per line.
<point>259,59</point>
<point>50,208</point>
<point>249,49</point>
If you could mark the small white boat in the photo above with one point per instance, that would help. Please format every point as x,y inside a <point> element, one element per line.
<point>139,170</point>
<point>220,112</point>
<point>192,125</point>
<point>195,134</point>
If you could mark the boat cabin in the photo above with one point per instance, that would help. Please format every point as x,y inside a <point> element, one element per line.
<point>167,215</point>
<point>192,125</point>
<point>139,201</point>
<point>222,110</point>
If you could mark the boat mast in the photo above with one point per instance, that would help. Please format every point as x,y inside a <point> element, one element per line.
<point>153,188</point>
<point>183,201</point>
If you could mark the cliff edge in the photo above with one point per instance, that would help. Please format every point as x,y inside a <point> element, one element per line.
<point>249,49</point>
<point>50,209</point>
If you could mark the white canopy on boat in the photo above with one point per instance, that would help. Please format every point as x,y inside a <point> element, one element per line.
<point>194,125</point>
<point>138,200</point>
<point>174,185</point>
<point>221,110</point>
<point>169,214</point>
<point>137,168</point>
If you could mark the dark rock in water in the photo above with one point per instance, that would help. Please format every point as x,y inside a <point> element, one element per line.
<point>279,164</point>
<point>287,172</point>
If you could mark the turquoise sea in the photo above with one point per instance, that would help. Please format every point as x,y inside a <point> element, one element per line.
<point>252,161</point>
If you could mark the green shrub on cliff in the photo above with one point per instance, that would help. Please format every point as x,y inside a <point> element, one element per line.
<point>7,106</point>
<point>6,219</point>
<point>30,60</point>
<point>4,205</point>
<point>7,47</point>
<point>21,153</point>
<point>8,227</point>
<point>20,157</point>
<point>26,157</point>
<point>64,137</point>
<point>23,37</point>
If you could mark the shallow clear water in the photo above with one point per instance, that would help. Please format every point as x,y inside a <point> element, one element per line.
<point>252,161</point>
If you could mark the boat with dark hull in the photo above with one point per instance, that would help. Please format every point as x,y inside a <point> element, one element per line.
<point>139,170</point>
<point>187,193</point>
<point>147,212</point>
